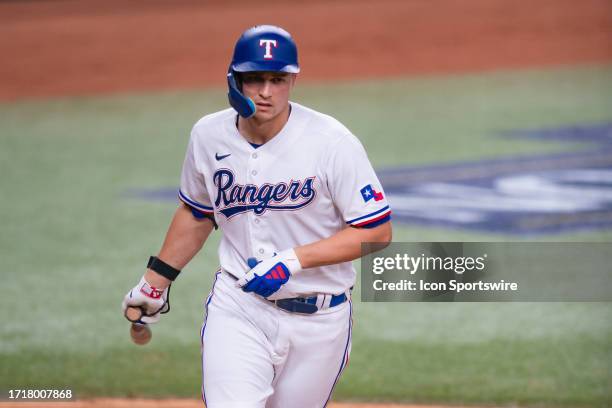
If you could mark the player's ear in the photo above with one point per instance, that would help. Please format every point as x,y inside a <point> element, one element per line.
<point>292,79</point>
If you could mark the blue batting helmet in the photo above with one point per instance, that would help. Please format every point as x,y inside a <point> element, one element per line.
<point>261,48</point>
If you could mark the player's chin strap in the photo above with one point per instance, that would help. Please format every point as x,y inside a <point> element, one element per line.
<point>243,105</point>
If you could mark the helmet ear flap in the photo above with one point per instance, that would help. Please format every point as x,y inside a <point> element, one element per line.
<point>238,79</point>
<point>243,105</point>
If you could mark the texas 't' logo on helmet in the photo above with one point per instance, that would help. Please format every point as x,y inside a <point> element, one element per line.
<point>268,45</point>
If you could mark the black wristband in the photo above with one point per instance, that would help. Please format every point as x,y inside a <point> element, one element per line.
<point>165,270</point>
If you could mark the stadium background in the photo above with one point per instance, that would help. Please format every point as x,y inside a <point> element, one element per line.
<point>96,103</point>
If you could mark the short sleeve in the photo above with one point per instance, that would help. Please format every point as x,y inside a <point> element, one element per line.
<point>355,189</point>
<point>193,187</point>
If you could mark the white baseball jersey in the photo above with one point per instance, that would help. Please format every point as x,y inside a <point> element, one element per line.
<point>305,184</point>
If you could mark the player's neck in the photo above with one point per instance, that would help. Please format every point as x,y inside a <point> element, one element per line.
<point>259,132</point>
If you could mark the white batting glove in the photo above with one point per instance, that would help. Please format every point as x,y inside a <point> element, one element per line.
<point>151,300</point>
<point>267,276</point>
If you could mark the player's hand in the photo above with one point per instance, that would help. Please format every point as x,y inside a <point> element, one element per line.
<point>151,300</point>
<point>267,276</point>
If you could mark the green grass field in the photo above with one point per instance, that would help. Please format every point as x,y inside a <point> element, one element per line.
<point>73,242</point>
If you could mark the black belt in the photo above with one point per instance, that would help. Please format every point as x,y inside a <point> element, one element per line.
<point>307,305</point>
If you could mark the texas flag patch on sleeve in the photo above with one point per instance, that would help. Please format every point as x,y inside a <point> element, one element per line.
<point>368,193</point>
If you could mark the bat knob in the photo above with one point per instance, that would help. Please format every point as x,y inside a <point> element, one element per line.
<point>140,333</point>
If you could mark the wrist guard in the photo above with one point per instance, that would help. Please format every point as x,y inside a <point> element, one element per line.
<point>165,270</point>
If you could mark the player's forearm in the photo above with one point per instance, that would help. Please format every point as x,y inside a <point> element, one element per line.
<point>343,246</point>
<point>185,237</point>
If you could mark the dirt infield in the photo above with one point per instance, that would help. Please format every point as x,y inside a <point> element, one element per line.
<point>70,47</point>
<point>170,403</point>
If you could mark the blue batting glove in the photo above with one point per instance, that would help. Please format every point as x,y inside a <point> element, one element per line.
<point>252,262</point>
<point>267,276</point>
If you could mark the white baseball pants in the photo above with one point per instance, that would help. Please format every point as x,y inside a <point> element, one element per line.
<point>255,355</point>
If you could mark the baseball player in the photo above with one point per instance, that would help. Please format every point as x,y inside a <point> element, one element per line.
<point>294,195</point>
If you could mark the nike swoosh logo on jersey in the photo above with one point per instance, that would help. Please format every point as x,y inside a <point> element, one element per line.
<point>220,157</point>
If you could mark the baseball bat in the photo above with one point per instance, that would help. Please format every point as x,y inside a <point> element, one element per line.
<point>139,332</point>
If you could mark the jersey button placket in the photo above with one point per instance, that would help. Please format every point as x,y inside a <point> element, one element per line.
<point>255,222</point>
<point>253,167</point>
